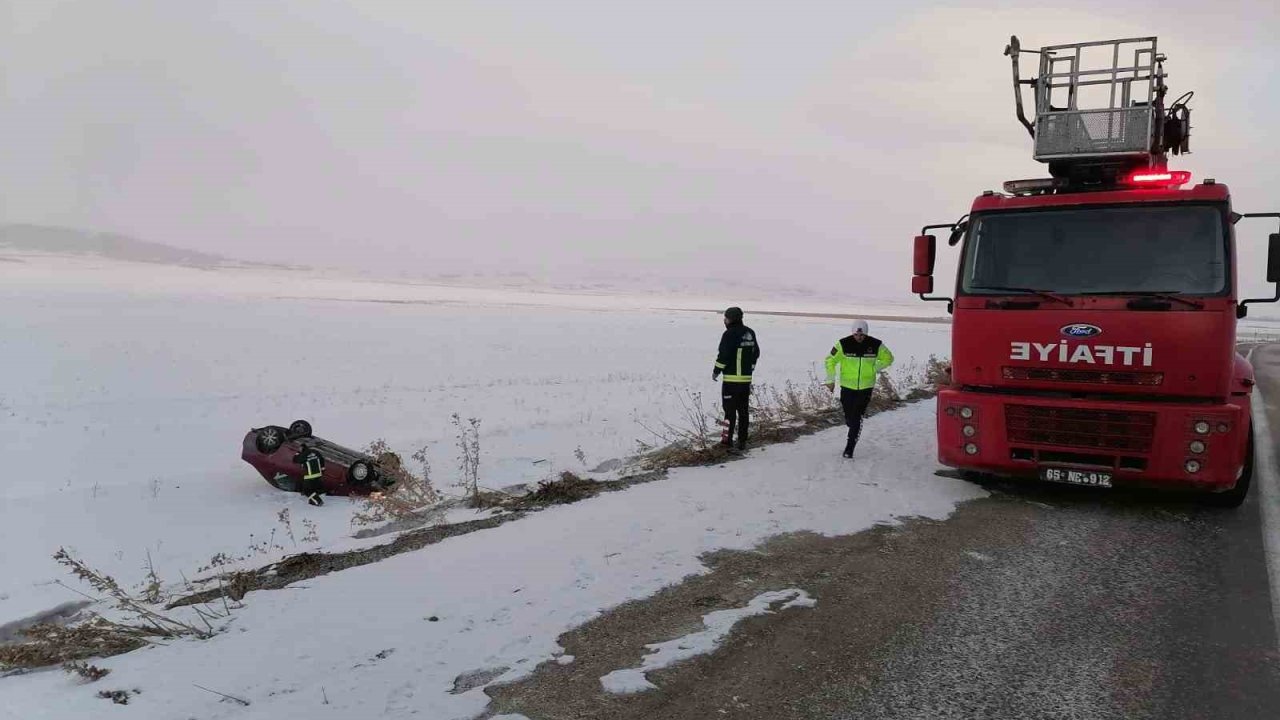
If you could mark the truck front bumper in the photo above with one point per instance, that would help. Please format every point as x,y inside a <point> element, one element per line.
<point>1193,445</point>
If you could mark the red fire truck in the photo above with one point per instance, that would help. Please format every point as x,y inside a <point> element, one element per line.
<point>1094,314</point>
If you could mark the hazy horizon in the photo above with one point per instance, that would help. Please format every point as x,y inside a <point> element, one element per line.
<point>799,145</point>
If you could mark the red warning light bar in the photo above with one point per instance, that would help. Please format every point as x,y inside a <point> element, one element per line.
<point>1159,178</point>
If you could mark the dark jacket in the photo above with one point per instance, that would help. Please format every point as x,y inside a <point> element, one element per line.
<point>739,352</point>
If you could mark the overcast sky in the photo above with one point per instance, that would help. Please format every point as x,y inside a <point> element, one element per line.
<point>795,142</point>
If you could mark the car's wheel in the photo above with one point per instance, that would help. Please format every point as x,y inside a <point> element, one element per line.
<point>360,473</point>
<point>270,439</point>
<point>300,429</point>
<point>1235,496</point>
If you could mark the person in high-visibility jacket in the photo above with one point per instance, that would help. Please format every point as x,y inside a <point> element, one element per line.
<point>312,463</point>
<point>736,360</point>
<point>858,360</point>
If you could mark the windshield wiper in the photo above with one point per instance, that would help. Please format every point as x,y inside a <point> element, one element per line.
<point>1041,293</point>
<point>1161,294</point>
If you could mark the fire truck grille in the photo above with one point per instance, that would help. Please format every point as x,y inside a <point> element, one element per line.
<point>1090,377</point>
<point>1078,428</point>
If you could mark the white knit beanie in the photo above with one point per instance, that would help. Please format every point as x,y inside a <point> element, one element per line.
<point>861,325</point>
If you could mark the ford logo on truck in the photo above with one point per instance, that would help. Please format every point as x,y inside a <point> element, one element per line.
<point>1081,330</point>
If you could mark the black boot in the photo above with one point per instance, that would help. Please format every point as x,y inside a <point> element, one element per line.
<point>315,499</point>
<point>848,449</point>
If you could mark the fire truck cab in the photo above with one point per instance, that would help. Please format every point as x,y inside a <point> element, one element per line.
<point>1094,314</point>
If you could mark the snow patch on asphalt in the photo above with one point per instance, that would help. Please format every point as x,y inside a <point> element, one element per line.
<point>1264,467</point>
<point>718,625</point>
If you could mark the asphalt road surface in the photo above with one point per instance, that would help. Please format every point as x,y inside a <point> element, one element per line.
<point>1037,602</point>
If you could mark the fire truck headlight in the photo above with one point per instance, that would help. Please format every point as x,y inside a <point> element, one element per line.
<point>951,412</point>
<point>966,412</point>
<point>1223,427</point>
<point>1202,427</point>
<point>969,430</point>
<point>1197,446</point>
<point>971,449</point>
<point>1193,466</point>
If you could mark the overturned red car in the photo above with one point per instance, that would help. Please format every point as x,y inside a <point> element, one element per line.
<point>271,451</point>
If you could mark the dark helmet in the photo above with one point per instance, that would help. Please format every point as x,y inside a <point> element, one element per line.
<point>733,314</point>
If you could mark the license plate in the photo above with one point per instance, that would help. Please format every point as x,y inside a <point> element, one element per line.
<point>1092,478</point>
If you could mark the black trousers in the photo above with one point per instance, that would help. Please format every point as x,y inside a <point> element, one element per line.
<point>314,485</point>
<point>854,403</point>
<point>737,398</point>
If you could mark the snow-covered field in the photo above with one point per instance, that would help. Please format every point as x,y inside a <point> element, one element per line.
<point>126,395</point>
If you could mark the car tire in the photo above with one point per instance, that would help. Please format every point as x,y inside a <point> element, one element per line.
<point>1235,497</point>
<point>269,439</point>
<point>300,429</point>
<point>360,474</point>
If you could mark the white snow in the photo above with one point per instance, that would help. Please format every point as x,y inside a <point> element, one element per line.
<point>123,411</point>
<point>717,626</point>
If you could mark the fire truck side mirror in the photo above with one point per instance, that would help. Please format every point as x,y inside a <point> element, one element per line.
<point>922,284</point>
<point>926,251</point>
<point>1273,258</point>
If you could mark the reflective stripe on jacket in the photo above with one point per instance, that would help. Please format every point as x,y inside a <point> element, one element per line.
<point>857,362</point>
<point>739,351</point>
<point>312,464</point>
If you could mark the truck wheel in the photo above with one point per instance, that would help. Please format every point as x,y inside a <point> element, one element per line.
<point>270,439</point>
<point>1235,496</point>
<point>300,429</point>
<point>360,473</point>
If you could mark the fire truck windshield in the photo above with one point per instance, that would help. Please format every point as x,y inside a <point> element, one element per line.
<point>1097,251</point>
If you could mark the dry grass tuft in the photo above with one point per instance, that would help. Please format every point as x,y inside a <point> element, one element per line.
<point>91,673</point>
<point>568,488</point>
<point>52,644</point>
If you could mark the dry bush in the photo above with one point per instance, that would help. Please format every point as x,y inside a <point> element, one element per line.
<point>885,396</point>
<point>409,496</point>
<point>152,591</point>
<point>937,372</point>
<point>153,622</point>
<point>469,458</point>
<point>793,403</point>
<point>693,430</point>
<point>51,643</point>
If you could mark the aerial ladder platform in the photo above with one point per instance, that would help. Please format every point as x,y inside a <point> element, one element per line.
<point>1100,110</point>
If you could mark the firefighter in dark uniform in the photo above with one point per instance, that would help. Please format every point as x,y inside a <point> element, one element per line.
<point>739,351</point>
<point>312,463</point>
<point>858,359</point>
